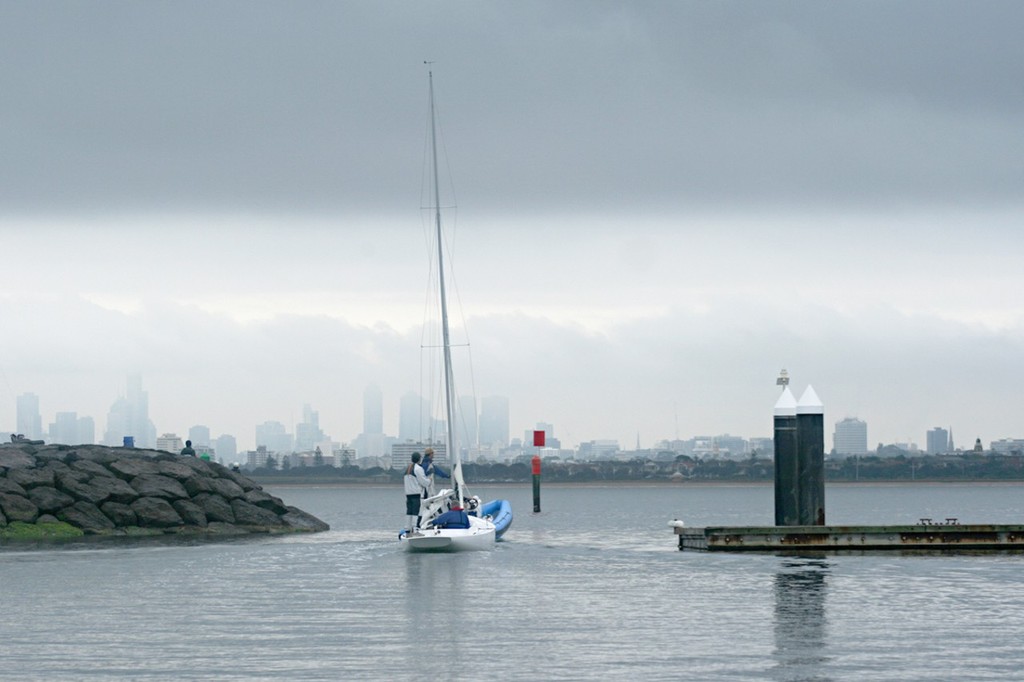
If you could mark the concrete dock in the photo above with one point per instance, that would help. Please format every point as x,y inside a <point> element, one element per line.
<point>943,535</point>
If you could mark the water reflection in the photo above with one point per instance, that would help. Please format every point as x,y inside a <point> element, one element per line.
<point>434,612</point>
<point>800,621</point>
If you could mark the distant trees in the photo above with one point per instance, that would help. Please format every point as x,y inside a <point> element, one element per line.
<point>968,466</point>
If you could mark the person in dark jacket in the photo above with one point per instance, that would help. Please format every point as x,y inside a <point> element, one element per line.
<point>455,517</point>
<point>429,468</point>
<point>187,450</point>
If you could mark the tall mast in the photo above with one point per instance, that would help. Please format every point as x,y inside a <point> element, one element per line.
<point>449,405</point>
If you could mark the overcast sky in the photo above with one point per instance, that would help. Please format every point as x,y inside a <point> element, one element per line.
<point>660,205</point>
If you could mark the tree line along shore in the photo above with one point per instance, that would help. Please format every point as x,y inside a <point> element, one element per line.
<point>683,469</point>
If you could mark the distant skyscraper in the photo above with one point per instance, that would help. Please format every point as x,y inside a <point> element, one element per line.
<point>413,418</point>
<point>200,436</point>
<point>494,421</point>
<point>402,452</point>
<point>937,441</point>
<point>274,437</point>
<point>170,442</point>
<point>850,437</point>
<point>373,410</point>
<point>64,429</point>
<point>129,416</point>
<point>226,448</point>
<point>308,434</point>
<point>86,431</point>
<point>29,421</point>
<point>469,420</point>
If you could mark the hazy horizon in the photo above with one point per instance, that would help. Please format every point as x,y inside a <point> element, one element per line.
<point>659,207</point>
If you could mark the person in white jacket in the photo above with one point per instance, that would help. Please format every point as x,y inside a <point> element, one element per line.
<point>415,483</point>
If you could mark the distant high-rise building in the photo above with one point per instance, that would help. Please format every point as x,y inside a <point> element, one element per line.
<point>86,431</point>
<point>308,433</point>
<point>494,421</point>
<point>469,421</point>
<point>274,437</point>
<point>401,453</point>
<point>170,442</point>
<point>129,416</point>
<point>413,418</point>
<point>200,436</point>
<point>937,441</point>
<point>226,447</point>
<point>29,421</point>
<point>732,447</point>
<point>373,410</point>
<point>64,429</point>
<point>850,437</point>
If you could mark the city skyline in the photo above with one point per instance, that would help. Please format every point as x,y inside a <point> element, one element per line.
<point>304,434</point>
<point>659,206</point>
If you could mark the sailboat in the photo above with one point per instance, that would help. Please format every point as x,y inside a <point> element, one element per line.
<point>452,520</point>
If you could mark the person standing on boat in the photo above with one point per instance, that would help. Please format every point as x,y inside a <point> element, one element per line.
<point>429,468</point>
<point>416,483</point>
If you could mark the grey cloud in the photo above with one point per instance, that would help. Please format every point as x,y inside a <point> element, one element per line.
<point>320,106</point>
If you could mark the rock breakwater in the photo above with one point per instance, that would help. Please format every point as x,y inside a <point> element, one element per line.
<point>54,491</point>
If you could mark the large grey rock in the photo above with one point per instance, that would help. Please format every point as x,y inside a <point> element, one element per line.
<point>120,514</point>
<point>51,453</point>
<point>296,518</point>
<point>266,501</point>
<point>115,489</point>
<point>18,508</point>
<point>12,458</point>
<point>220,528</point>
<point>81,490</point>
<point>100,454</point>
<point>70,474</point>
<point>241,481</point>
<point>57,467</point>
<point>215,507</point>
<point>86,516</point>
<point>199,466</point>
<point>31,478</point>
<point>129,468</point>
<point>177,470</point>
<point>191,513</point>
<point>49,500</point>
<point>156,512</point>
<point>196,485</point>
<point>250,515</point>
<point>89,467</point>
<point>154,485</point>
<point>226,488</point>
<point>9,486</point>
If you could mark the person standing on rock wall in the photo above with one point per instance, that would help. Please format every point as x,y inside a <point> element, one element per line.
<point>187,450</point>
<point>415,483</point>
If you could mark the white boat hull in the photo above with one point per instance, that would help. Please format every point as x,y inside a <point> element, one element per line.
<point>479,536</point>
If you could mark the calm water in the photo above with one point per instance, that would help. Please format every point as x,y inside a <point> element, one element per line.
<point>592,588</point>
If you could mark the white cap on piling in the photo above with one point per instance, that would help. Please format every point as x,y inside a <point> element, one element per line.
<point>810,403</point>
<point>786,405</point>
